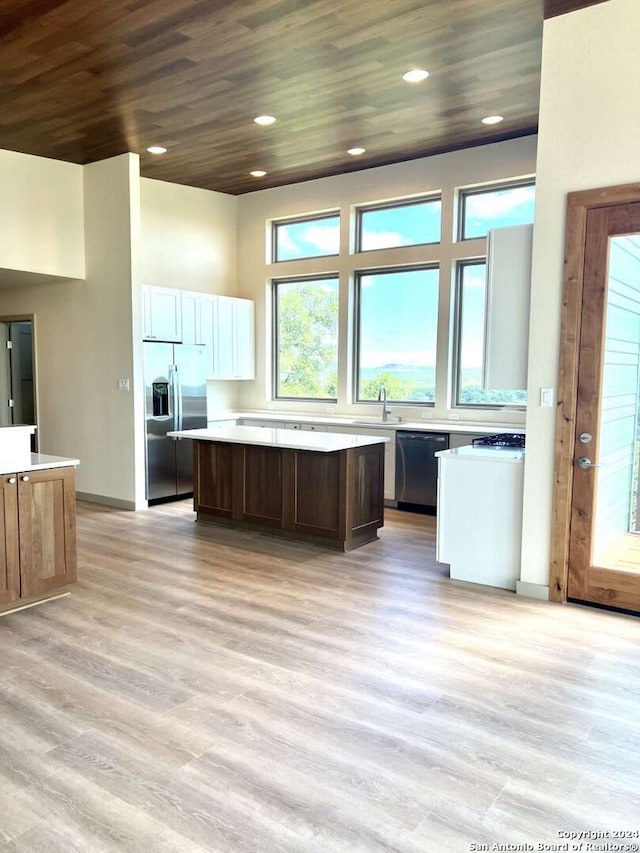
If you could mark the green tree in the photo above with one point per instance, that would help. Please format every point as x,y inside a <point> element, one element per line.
<point>307,339</point>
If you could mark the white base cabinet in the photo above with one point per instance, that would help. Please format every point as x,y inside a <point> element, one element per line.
<point>479,525</point>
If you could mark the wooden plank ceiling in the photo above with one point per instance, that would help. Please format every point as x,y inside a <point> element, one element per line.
<point>83,80</point>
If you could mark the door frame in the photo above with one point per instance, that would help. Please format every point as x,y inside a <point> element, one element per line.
<point>578,206</point>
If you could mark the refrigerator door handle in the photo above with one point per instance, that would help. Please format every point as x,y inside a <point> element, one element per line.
<point>173,384</point>
<point>178,392</point>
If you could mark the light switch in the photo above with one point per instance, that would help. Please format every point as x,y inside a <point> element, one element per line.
<point>546,398</point>
<point>123,384</point>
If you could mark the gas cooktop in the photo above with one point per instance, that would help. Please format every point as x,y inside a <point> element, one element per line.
<point>503,439</point>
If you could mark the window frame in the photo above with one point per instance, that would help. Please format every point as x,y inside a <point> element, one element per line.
<point>357,332</point>
<point>457,343</point>
<point>294,220</point>
<point>388,205</point>
<point>484,189</point>
<point>275,347</point>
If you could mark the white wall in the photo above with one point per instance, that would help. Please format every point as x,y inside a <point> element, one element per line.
<point>189,241</point>
<point>589,136</point>
<point>41,216</point>
<point>443,173</point>
<point>83,333</point>
<point>188,237</point>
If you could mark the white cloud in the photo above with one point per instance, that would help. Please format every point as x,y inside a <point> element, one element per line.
<point>488,205</point>
<point>325,238</point>
<point>383,240</point>
<point>474,280</point>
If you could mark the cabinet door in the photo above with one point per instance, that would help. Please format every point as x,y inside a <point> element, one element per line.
<point>243,339</point>
<point>9,552</point>
<point>225,337</point>
<point>47,522</point>
<point>208,332</point>
<point>390,471</point>
<point>162,311</point>
<point>191,320</point>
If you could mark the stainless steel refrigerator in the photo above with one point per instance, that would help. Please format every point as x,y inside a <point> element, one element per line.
<point>175,398</point>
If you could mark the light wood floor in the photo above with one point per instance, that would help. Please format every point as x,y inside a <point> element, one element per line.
<point>212,690</point>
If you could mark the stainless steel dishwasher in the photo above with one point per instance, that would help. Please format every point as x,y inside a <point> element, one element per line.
<point>417,468</point>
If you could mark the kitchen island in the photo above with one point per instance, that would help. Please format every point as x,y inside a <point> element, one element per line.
<point>323,487</point>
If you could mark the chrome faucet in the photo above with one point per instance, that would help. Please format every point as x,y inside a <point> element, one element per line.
<point>382,398</point>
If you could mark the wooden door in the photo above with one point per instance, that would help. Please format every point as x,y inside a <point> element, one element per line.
<point>46,511</point>
<point>604,545</point>
<point>9,551</point>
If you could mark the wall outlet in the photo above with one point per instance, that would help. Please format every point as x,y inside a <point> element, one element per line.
<point>123,385</point>
<point>270,406</point>
<point>330,410</point>
<point>427,415</point>
<point>453,416</point>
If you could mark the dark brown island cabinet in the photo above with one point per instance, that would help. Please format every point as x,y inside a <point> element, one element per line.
<point>37,532</point>
<point>321,487</point>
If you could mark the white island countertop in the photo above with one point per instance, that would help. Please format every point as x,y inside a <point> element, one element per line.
<point>289,439</point>
<point>483,454</point>
<point>38,462</point>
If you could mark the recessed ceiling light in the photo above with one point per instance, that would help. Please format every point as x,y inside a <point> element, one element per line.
<point>416,75</point>
<point>355,152</point>
<point>156,149</point>
<point>263,121</point>
<point>492,119</point>
<point>258,173</point>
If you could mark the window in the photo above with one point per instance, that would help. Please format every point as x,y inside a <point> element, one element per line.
<point>397,314</point>
<point>498,207</point>
<point>471,296</point>
<point>312,237</point>
<point>399,224</point>
<point>306,338</point>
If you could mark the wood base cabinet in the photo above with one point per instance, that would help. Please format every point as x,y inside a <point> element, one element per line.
<point>333,498</point>
<point>37,535</point>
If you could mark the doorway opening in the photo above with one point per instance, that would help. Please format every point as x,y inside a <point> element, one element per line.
<point>17,374</point>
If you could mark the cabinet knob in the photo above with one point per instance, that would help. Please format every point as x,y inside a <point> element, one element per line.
<point>25,478</point>
<point>11,481</point>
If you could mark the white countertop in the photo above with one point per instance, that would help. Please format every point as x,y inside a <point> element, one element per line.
<point>290,439</point>
<point>39,461</point>
<point>462,427</point>
<point>28,428</point>
<point>483,454</point>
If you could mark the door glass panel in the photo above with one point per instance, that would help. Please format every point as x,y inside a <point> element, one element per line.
<point>616,542</point>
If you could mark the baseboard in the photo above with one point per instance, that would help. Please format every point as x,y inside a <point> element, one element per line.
<point>117,503</point>
<point>532,590</point>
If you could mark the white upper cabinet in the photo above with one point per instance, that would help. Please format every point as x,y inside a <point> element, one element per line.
<point>192,332</point>
<point>243,339</point>
<point>162,314</point>
<point>507,311</point>
<point>224,324</point>
<point>235,339</point>
<point>224,339</point>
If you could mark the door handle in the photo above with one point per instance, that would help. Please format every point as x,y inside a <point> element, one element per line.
<point>585,463</point>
